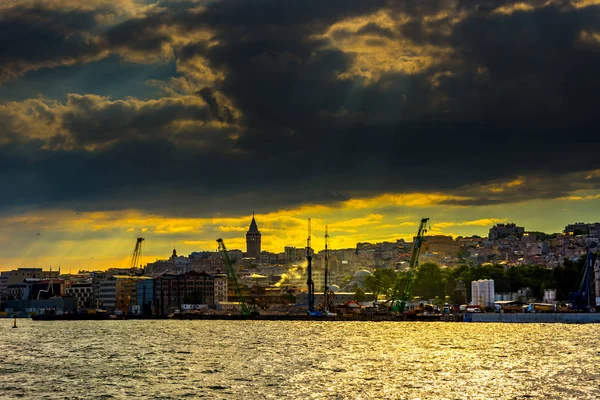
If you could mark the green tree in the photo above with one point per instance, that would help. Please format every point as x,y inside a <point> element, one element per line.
<point>400,285</point>
<point>429,281</point>
<point>382,281</point>
<point>372,284</point>
<point>359,295</point>
<point>510,279</point>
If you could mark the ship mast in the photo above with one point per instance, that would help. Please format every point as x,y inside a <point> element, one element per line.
<point>309,281</point>
<point>326,293</point>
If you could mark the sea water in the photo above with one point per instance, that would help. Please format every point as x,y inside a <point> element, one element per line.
<point>173,359</point>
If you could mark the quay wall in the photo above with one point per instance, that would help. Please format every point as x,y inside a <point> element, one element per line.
<point>577,318</point>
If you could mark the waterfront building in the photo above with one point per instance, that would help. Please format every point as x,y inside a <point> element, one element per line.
<point>46,289</point>
<point>83,293</point>
<point>34,288</point>
<point>253,241</point>
<point>483,293</point>
<point>220,287</point>
<point>119,292</point>
<point>549,295</point>
<point>107,293</point>
<point>144,296</point>
<point>55,305</point>
<point>19,275</point>
<point>18,291</point>
<point>171,291</point>
<point>97,277</point>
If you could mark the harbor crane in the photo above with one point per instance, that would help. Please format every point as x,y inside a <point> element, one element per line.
<point>246,312</point>
<point>136,257</point>
<point>134,273</point>
<point>582,299</point>
<point>413,266</point>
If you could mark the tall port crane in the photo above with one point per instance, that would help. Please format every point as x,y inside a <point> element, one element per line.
<point>233,277</point>
<point>134,273</point>
<point>413,266</point>
<point>136,257</point>
<point>582,299</point>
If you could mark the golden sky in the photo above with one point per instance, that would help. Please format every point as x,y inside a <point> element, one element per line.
<point>100,240</point>
<point>175,120</point>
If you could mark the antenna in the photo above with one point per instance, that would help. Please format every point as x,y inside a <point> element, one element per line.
<point>326,244</point>
<point>308,240</point>
<point>309,281</point>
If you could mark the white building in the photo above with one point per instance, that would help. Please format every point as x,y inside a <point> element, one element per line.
<point>483,293</point>
<point>220,288</point>
<point>549,295</point>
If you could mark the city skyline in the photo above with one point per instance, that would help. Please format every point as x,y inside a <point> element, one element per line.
<point>175,120</point>
<point>162,163</point>
<point>233,231</point>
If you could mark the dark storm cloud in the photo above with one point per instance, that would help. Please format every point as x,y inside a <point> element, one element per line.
<point>513,95</point>
<point>32,38</point>
<point>219,111</point>
<point>54,33</point>
<point>125,120</point>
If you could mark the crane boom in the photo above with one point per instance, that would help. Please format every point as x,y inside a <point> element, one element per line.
<point>134,273</point>
<point>233,276</point>
<point>136,256</point>
<point>582,299</point>
<point>413,266</point>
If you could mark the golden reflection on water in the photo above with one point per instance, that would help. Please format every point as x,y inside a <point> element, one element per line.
<point>268,359</point>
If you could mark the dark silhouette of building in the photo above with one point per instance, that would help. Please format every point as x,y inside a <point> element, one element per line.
<point>502,231</point>
<point>253,240</point>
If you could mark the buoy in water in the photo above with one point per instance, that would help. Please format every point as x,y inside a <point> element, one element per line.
<point>15,324</point>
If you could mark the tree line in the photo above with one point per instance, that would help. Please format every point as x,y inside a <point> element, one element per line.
<point>433,282</point>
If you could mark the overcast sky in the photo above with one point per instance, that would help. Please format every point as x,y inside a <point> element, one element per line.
<point>175,120</point>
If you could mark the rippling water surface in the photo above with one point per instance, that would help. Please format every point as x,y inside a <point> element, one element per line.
<point>266,359</point>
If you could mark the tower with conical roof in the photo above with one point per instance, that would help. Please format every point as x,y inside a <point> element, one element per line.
<point>253,240</point>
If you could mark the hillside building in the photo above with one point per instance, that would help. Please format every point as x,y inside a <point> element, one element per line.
<point>503,231</point>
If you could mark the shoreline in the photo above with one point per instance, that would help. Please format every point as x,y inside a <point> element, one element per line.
<point>575,318</point>
<point>265,317</point>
